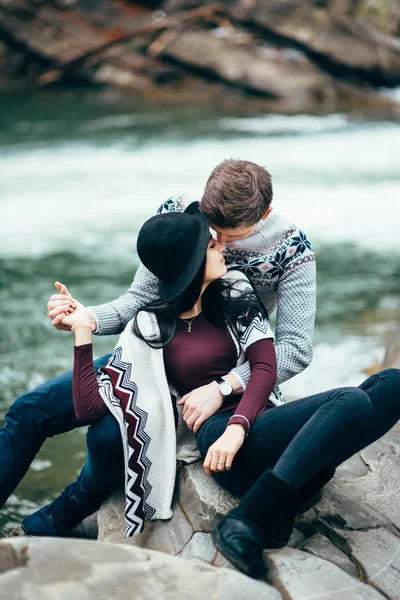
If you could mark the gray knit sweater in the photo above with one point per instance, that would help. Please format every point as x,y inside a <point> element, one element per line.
<point>281,263</point>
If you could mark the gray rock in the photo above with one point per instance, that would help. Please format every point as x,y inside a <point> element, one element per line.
<point>297,538</point>
<point>381,481</point>
<point>341,509</point>
<point>377,551</point>
<point>203,501</point>
<point>88,529</point>
<point>165,536</point>
<point>320,546</point>
<point>200,546</point>
<point>64,569</point>
<point>250,68</point>
<point>222,562</point>
<point>111,518</point>
<point>298,575</point>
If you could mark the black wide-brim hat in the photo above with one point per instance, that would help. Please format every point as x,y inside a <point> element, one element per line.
<point>173,247</point>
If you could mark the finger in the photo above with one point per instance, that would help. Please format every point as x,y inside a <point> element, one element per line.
<point>214,461</point>
<point>187,408</point>
<point>199,422</point>
<point>229,461</point>
<point>62,297</point>
<point>56,311</point>
<point>191,419</point>
<point>60,300</point>
<point>221,462</point>
<point>206,464</point>
<point>62,288</point>
<point>183,399</point>
<point>57,320</point>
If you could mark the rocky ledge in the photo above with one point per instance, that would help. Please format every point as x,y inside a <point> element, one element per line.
<point>50,569</point>
<point>348,543</point>
<point>346,546</point>
<point>286,56</point>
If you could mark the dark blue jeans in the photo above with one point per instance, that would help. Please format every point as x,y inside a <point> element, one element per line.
<point>301,438</point>
<point>46,411</point>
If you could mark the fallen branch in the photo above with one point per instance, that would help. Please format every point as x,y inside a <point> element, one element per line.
<point>205,12</point>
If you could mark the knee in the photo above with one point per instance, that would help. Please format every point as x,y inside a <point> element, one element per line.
<point>392,378</point>
<point>104,437</point>
<point>358,404</point>
<point>22,414</point>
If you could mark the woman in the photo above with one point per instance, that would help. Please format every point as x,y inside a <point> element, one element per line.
<point>275,456</point>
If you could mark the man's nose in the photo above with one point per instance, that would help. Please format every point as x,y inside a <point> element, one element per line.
<point>222,238</point>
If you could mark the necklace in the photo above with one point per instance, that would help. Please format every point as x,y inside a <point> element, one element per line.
<point>189,322</point>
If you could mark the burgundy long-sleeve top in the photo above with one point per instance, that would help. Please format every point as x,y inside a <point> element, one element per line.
<point>191,360</point>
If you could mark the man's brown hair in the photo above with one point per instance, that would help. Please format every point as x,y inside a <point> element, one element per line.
<point>238,192</point>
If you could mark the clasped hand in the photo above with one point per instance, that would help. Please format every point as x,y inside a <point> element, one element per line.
<point>64,310</point>
<point>200,404</point>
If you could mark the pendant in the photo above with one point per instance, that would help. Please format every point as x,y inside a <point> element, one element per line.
<point>189,327</point>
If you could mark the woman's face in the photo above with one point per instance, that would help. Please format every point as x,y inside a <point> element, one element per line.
<point>215,262</point>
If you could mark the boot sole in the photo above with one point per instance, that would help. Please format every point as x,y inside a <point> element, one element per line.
<point>245,568</point>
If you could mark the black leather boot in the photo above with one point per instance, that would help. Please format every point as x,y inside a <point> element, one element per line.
<point>279,535</point>
<point>242,543</point>
<point>240,535</point>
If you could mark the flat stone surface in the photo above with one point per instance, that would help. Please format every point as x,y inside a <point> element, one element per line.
<point>88,529</point>
<point>380,486</point>
<point>320,546</point>
<point>342,509</point>
<point>297,538</point>
<point>378,553</point>
<point>203,501</point>
<point>200,546</point>
<point>111,518</point>
<point>64,569</point>
<point>221,562</point>
<point>164,536</point>
<point>301,576</point>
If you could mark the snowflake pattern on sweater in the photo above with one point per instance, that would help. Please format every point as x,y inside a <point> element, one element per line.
<point>291,250</point>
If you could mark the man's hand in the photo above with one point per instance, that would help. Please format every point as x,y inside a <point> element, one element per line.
<point>221,454</point>
<point>64,311</point>
<point>59,306</point>
<point>200,404</point>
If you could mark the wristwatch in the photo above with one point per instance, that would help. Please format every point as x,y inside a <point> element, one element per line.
<point>224,387</point>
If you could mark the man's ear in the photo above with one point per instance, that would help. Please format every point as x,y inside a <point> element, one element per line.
<point>266,214</point>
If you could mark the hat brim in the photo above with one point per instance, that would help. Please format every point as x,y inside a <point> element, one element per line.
<point>171,291</point>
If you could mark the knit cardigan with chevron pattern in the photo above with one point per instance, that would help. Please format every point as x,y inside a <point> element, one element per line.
<point>134,387</point>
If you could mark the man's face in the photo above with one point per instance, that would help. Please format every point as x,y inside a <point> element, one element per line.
<point>231,235</point>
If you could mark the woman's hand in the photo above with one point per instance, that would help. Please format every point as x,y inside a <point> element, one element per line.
<point>221,454</point>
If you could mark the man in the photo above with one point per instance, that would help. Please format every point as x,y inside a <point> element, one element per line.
<point>275,254</point>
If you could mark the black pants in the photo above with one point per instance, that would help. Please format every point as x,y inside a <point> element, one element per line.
<point>299,439</point>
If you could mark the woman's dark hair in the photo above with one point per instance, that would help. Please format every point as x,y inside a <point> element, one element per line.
<point>223,304</point>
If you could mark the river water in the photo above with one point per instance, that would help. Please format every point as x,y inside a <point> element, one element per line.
<point>78,176</point>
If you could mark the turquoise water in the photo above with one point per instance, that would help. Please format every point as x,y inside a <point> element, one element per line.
<point>78,176</point>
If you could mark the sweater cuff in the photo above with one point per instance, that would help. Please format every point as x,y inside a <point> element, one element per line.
<point>240,420</point>
<point>108,320</point>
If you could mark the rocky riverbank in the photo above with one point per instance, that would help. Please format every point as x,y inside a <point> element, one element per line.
<point>347,545</point>
<point>285,56</point>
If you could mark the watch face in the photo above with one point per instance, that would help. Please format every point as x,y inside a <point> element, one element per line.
<point>226,388</point>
